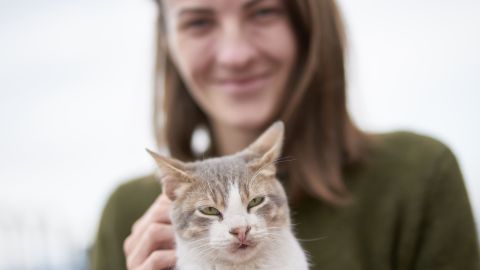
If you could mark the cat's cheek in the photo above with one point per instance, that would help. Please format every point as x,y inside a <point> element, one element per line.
<point>273,216</point>
<point>255,221</point>
<point>192,233</point>
<point>278,218</point>
<point>196,227</point>
<point>217,232</point>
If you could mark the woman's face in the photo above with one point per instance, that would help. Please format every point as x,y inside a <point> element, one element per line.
<point>235,56</point>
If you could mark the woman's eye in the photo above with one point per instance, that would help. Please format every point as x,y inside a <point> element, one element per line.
<point>256,201</point>
<point>263,13</point>
<point>198,24</point>
<point>210,211</point>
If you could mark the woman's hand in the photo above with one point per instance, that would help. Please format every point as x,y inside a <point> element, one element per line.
<point>151,244</point>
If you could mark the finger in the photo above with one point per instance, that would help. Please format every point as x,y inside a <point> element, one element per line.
<point>159,212</point>
<point>160,260</point>
<point>157,236</point>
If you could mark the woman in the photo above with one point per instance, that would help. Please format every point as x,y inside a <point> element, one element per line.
<point>390,201</point>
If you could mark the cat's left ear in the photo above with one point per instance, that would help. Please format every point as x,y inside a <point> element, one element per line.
<point>267,149</point>
<point>174,176</point>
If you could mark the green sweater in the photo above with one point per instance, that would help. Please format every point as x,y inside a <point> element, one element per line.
<point>410,210</point>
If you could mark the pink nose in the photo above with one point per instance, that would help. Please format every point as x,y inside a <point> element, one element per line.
<point>240,232</point>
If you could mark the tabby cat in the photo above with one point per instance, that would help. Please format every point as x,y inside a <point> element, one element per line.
<point>231,212</point>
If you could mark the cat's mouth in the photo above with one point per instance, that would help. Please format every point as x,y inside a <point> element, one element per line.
<point>243,246</point>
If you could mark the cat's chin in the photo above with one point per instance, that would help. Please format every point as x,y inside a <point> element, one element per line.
<point>242,253</point>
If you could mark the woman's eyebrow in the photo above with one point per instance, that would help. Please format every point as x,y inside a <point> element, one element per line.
<point>251,3</point>
<point>209,11</point>
<point>195,11</point>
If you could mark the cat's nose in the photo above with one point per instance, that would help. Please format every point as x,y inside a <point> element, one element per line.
<point>240,232</point>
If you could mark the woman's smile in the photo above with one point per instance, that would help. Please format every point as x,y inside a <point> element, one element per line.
<point>242,86</point>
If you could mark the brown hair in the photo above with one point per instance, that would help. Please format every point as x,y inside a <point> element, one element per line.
<point>320,134</point>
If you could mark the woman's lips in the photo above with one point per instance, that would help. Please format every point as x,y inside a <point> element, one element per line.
<point>245,86</point>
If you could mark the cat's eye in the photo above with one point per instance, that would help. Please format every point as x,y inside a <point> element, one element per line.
<point>209,211</point>
<point>256,201</point>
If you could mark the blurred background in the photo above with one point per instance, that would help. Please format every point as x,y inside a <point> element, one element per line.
<point>75,105</point>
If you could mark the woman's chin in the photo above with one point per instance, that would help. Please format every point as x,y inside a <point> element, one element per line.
<point>247,120</point>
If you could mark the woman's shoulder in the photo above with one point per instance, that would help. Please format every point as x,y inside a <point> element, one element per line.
<point>405,149</point>
<point>403,162</point>
<point>407,144</point>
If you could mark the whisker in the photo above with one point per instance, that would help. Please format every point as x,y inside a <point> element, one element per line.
<point>312,239</point>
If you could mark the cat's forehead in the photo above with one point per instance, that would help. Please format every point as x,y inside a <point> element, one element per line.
<point>225,169</point>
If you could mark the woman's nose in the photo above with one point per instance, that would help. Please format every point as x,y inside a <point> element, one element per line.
<point>235,48</point>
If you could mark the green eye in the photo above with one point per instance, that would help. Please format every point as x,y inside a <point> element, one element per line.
<point>210,211</point>
<point>256,201</point>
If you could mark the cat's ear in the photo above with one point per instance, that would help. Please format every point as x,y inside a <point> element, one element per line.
<point>266,149</point>
<point>173,175</point>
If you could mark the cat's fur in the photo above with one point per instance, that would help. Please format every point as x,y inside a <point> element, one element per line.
<point>238,238</point>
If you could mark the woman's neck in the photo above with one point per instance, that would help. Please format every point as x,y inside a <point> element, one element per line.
<point>230,140</point>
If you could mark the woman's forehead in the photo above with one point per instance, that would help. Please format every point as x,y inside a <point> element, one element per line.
<point>176,4</point>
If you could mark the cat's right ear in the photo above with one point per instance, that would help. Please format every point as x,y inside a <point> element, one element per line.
<point>174,177</point>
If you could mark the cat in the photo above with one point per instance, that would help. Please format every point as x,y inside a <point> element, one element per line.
<point>231,212</point>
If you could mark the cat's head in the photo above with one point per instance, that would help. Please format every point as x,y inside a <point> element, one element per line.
<point>229,207</point>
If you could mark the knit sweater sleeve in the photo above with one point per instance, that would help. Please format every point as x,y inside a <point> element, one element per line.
<point>107,253</point>
<point>449,238</point>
